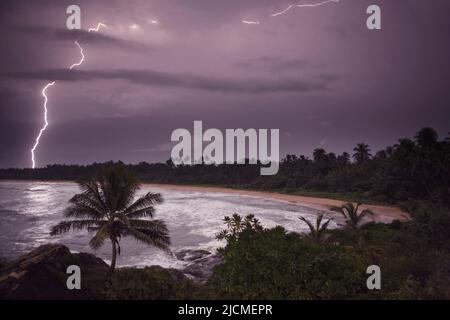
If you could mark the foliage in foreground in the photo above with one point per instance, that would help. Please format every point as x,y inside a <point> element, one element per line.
<point>275,264</point>
<point>150,283</point>
<point>317,232</point>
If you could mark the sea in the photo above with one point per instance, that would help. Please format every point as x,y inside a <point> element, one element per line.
<point>28,210</point>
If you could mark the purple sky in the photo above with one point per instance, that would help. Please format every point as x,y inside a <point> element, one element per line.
<point>317,74</point>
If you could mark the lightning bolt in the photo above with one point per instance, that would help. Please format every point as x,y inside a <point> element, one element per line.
<point>250,22</point>
<point>96,29</point>
<point>38,138</point>
<point>44,94</point>
<point>135,27</point>
<point>303,6</point>
<point>310,5</point>
<point>82,57</point>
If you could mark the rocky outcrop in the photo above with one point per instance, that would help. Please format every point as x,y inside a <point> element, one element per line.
<point>200,264</point>
<point>41,274</point>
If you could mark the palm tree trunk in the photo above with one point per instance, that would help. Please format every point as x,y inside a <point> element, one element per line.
<point>114,255</point>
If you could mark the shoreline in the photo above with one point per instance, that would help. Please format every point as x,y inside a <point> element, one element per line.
<point>382,213</point>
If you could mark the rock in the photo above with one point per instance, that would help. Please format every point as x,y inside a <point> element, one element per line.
<point>201,264</point>
<point>41,274</point>
<point>191,255</point>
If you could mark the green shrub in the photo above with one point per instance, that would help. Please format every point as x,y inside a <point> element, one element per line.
<point>432,223</point>
<point>274,264</point>
<point>150,283</point>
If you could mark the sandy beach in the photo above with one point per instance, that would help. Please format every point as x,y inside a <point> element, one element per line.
<point>384,214</point>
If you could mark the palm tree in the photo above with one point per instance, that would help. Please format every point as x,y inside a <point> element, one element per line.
<point>236,225</point>
<point>362,153</point>
<point>318,231</point>
<point>351,214</point>
<point>426,138</point>
<point>343,159</point>
<point>106,207</point>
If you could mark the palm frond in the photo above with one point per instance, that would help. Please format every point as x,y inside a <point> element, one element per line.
<point>66,226</point>
<point>100,236</point>
<point>324,226</point>
<point>91,189</point>
<point>317,231</point>
<point>351,214</point>
<point>143,207</point>
<point>156,237</point>
<point>310,225</point>
<point>339,210</point>
<point>152,225</point>
<point>119,186</point>
<point>121,217</point>
<point>82,212</point>
<point>86,203</point>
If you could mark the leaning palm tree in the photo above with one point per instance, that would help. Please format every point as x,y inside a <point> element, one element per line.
<point>318,231</point>
<point>351,214</point>
<point>106,207</point>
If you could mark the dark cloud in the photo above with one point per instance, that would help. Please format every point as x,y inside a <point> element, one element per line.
<point>163,79</point>
<point>275,64</point>
<point>317,74</point>
<point>84,36</point>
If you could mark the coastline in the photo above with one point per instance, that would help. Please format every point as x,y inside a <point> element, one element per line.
<point>385,214</point>
<point>382,213</point>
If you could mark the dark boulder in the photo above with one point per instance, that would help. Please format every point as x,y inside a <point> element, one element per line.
<point>41,274</point>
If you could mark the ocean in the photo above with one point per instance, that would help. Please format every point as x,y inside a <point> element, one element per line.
<point>29,209</point>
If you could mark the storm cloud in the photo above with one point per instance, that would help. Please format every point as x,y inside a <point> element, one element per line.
<point>190,81</point>
<point>317,74</point>
<point>92,38</point>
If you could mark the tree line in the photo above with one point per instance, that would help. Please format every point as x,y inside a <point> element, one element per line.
<point>416,168</point>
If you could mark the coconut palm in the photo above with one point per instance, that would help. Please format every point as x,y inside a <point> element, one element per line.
<point>351,214</point>
<point>236,225</point>
<point>106,206</point>
<point>318,231</point>
<point>362,153</point>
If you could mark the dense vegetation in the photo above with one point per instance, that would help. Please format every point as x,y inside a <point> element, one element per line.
<point>150,283</point>
<point>416,168</point>
<point>273,263</point>
<point>413,256</point>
